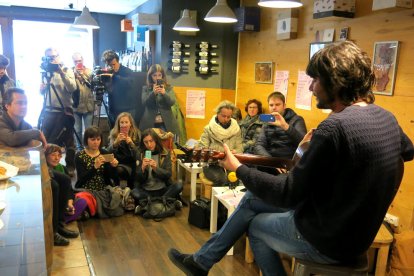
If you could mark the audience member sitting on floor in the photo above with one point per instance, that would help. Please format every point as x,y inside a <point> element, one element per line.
<point>339,192</point>
<point>155,170</point>
<point>251,125</point>
<point>94,170</point>
<point>59,173</point>
<point>221,129</point>
<point>123,143</point>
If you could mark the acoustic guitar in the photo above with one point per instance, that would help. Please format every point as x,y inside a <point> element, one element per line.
<point>209,156</point>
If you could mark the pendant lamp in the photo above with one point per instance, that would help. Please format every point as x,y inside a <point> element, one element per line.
<point>85,20</point>
<point>186,23</point>
<point>280,3</point>
<point>221,13</point>
<point>75,29</point>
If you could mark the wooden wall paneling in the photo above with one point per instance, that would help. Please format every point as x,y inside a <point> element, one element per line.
<point>213,97</point>
<point>366,28</point>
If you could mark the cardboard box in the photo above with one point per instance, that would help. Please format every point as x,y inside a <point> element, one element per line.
<point>126,25</point>
<point>287,24</point>
<point>148,19</point>
<point>387,4</point>
<point>248,19</point>
<point>340,8</point>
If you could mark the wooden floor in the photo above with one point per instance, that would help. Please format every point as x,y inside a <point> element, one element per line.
<point>131,245</point>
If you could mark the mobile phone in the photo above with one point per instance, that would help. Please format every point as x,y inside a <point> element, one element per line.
<point>108,157</point>
<point>124,130</point>
<point>267,118</point>
<point>160,82</point>
<point>79,66</point>
<point>148,154</point>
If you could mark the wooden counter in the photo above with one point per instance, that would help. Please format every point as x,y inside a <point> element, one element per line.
<point>26,235</point>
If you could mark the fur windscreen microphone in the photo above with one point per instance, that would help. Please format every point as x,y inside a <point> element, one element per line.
<point>233,180</point>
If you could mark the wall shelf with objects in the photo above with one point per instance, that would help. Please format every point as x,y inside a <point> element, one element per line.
<point>179,57</point>
<point>205,63</point>
<point>333,9</point>
<point>391,4</point>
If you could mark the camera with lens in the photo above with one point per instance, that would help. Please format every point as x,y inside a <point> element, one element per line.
<point>48,66</point>
<point>99,77</point>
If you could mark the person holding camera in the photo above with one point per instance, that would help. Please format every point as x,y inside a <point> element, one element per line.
<point>5,81</point>
<point>123,95</point>
<point>83,100</point>
<point>56,119</point>
<point>157,98</point>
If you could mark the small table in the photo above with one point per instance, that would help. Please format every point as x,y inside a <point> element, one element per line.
<point>230,199</point>
<point>194,169</point>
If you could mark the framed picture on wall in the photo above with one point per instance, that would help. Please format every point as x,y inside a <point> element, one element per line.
<point>316,46</point>
<point>384,65</point>
<point>263,72</point>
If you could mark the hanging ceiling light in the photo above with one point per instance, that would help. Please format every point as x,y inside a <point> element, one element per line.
<point>280,3</point>
<point>186,23</point>
<point>221,13</point>
<point>75,29</point>
<point>85,20</point>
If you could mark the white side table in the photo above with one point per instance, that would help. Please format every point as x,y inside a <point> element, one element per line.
<point>230,199</point>
<point>194,169</point>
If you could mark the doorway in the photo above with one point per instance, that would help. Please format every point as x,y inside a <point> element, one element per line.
<point>30,39</point>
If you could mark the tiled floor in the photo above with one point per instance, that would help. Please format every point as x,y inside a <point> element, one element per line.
<point>71,259</point>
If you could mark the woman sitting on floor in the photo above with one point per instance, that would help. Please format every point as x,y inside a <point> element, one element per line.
<point>62,195</point>
<point>123,142</point>
<point>94,168</point>
<point>155,170</point>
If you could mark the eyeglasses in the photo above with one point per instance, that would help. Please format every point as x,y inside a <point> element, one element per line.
<point>53,57</point>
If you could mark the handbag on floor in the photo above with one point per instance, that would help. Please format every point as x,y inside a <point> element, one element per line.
<point>157,208</point>
<point>199,214</point>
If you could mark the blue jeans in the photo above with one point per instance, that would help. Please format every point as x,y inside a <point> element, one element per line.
<point>270,228</point>
<point>236,225</point>
<point>273,233</point>
<point>86,119</point>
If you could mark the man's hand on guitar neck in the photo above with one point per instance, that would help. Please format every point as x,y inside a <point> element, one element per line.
<point>230,162</point>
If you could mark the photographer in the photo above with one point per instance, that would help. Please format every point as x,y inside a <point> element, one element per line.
<point>56,118</point>
<point>123,94</point>
<point>5,81</point>
<point>85,106</point>
<point>158,97</point>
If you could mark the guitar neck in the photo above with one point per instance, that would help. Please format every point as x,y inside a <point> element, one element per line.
<point>259,160</point>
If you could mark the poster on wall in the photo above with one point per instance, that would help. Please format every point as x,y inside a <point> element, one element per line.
<point>385,66</point>
<point>196,104</point>
<point>303,95</point>
<point>281,82</point>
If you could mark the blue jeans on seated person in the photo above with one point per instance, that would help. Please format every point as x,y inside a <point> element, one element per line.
<point>273,233</point>
<point>250,208</point>
<point>172,190</point>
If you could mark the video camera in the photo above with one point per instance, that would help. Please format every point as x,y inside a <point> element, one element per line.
<point>48,66</point>
<point>99,77</point>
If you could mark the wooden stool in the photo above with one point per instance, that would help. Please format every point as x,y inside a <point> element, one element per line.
<point>206,186</point>
<point>307,268</point>
<point>382,242</point>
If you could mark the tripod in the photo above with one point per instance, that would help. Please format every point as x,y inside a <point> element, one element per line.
<point>66,111</point>
<point>99,102</point>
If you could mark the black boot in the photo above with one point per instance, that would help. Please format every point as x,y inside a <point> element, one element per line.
<point>58,240</point>
<point>186,263</point>
<point>67,233</point>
